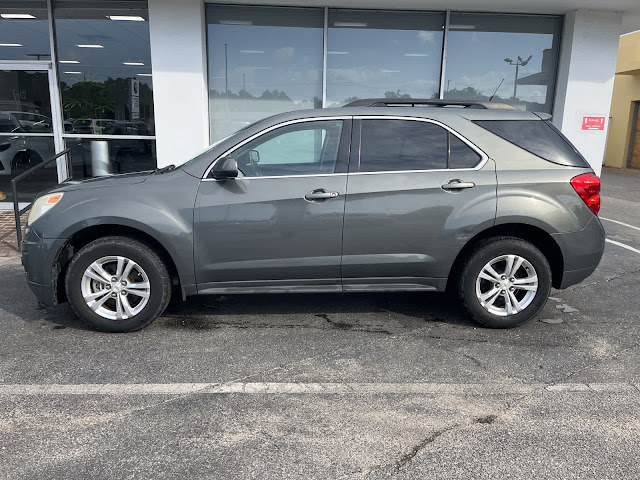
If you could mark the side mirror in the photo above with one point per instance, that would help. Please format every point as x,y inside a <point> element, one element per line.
<point>226,167</point>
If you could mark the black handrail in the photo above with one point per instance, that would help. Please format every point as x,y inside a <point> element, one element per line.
<point>14,187</point>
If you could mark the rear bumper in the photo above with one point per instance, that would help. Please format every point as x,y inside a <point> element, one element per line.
<point>581,252</point>
<point>39,262</point>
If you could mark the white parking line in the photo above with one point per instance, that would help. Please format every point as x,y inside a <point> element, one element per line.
<point>620,223</point>
<point>622,245</point>
<point>515,388</point>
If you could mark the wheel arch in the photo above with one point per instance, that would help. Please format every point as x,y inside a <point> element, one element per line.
<point>85,236</point>
<point>532,234</point>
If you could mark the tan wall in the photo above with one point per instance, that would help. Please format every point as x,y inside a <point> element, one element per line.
<point>626,90</point>
<point>629,54</point>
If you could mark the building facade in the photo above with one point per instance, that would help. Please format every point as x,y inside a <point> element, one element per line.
<point>130,85</point>
<point>623,145</point>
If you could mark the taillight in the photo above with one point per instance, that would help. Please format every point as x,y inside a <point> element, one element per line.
<point>588,187</point>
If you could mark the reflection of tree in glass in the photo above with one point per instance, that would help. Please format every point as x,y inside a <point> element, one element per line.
<point>243,94</point>
<point>87,99</point>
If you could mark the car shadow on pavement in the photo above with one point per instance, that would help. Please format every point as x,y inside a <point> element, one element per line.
<point>371,312</point>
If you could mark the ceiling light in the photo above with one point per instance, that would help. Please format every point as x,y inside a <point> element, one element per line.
<point>337,53</point>
<point>11,45</point>
<point>144,74</point>
<point>251,51</point>
<point>68,61</point>
<point>133,63</point>
<point>16,15</point>
<point>74,73</point>
<point>89,46</point>
<point>349,24</point>
<point>236,22</point>
<point>416,54</point>
<point>462,27</point>
<point>125,18</point>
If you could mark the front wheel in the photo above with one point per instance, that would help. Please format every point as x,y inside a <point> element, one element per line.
<point>504,282</point>
<point>118,284</point>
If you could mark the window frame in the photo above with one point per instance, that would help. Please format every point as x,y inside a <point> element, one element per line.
<point>357,139</point>
<point>345,139</point>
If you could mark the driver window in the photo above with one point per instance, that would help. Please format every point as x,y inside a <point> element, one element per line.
<point>306,148</point>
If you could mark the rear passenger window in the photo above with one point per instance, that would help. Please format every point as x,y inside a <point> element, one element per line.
<point>393,145</point>
<point>461,155</point>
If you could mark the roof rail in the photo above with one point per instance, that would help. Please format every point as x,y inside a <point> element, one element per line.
<point>412,102</point>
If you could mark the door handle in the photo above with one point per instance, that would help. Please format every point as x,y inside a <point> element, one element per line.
<point>320,194</point>
<point>457,184</point>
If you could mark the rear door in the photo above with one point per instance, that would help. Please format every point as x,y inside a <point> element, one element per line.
<point>417,192</point>
<point>278,226</point>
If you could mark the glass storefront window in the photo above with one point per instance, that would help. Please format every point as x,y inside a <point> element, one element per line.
<point>389,54</point>
<point>262,61</point>
<point>513,56</point>
<point>24,30</point>
<point>96,157</point>
<point>104,65</point>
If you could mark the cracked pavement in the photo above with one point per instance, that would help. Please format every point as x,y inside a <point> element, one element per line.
<point>348,387</point>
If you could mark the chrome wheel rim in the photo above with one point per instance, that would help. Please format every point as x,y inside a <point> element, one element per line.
<point>115,287</point>
<point>506,285</point>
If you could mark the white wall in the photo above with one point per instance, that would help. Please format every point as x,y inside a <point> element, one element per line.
<point>585,78</point>
<point>178,58</point>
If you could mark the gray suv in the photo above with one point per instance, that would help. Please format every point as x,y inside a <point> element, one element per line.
<point>406,195</point>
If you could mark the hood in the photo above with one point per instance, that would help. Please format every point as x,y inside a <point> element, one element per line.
<point>98,182</point>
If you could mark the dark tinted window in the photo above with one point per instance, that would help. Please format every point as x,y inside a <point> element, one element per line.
<point>391,145</point>
<point>538,137</point>
<point>461,155</point>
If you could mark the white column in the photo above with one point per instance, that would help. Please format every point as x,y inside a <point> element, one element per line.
<point>179,67</point>
<point>585,79</point>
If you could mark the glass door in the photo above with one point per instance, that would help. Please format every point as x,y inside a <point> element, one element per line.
<point>29,130</point>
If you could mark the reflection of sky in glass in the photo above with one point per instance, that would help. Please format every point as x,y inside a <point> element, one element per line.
<point>273,63</point>
<point>32,35</point>
<point>259,58</point>
<point>383,52</point>
<point>476,58</point>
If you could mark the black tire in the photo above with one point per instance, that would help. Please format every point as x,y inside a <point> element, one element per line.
<point>20,163</point>
<point>141,254</point>
<point>486,251</point>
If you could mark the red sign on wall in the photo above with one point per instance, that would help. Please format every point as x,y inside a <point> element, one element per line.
<point>593,123</point>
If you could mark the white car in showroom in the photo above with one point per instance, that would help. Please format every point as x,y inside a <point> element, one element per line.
<point>20,152</point>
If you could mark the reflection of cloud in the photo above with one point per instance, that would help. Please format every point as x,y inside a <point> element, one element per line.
<point>426,37</point>
<point>285,52</point>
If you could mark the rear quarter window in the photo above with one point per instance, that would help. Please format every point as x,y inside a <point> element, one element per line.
<point>539,137</point>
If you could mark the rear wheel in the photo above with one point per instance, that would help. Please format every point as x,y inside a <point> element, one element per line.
<point>504,282</point>
<point>118,284</point>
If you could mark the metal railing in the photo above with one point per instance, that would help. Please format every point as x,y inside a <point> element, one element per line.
<point>14,187</point>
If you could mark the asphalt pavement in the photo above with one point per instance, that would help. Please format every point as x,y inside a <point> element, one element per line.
<point>356,386</point>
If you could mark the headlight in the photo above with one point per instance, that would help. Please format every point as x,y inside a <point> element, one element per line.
<point>42,205</point>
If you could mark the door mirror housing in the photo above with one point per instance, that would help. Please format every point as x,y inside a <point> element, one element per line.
<point>226,167</point>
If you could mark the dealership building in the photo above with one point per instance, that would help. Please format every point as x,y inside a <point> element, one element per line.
<point>130,85</point>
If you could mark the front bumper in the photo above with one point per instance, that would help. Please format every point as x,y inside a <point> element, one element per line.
<point>581,252</point>
<point>39,262</point>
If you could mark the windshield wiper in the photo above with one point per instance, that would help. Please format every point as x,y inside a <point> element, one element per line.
<point>166,169</point>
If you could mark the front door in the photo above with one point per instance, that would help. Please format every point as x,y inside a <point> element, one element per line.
<point>29,130</point>
<point>416,194</point>
<point>278,226</point>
